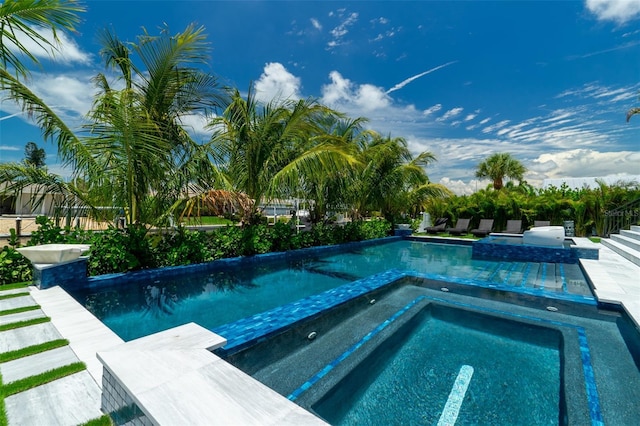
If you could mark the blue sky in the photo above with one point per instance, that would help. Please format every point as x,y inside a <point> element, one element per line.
<point>549,82</point>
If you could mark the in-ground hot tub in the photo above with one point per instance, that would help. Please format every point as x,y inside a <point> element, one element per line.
<point>520,249</point>
<point>551,236</point>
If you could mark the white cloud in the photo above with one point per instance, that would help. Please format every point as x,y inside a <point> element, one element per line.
<point>432,109</point>
<point>470,117</point>
<point>460,187</point>
<point>68,93</point>
<point>494,127</point>
<point>316,24</point>
<point>342,93</point>
<point>586,163</point>
<point>370,97</point>
<point>341,29</point>
<point>196,124</point>
<point>277,83</point>
<point>66,50</point>
<point>339,89</point>
<point>619,11</point>
<point>450,114</point>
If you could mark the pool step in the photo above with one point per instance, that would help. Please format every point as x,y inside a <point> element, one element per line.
<point>552,277</point>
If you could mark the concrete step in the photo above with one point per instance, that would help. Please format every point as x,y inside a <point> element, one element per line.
<point>622,249</point>
<point>631,233</point>
<point>626,240</point>
<point>635,228</point>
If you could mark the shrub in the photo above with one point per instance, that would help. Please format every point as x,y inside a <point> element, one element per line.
<point>225,242</point>
<point>14,267</point>
<point>116,250</point>
<point>256,240</point>
<point>282,236</point>
<point>182,247</point>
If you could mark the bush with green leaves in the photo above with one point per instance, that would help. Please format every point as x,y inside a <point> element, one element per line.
<point>226,242</point>
<point>14,267</point>
<point>120,250</point>
<point>182,247</point>
<point>50,233</point>
<point>256,239</point>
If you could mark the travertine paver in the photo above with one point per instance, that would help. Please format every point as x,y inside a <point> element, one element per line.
<point>16,302</point>
<point>21,316</point>
<point>23,337</point>
<point>36,364</point>
<point>13,291</point>
<point>71,400</point>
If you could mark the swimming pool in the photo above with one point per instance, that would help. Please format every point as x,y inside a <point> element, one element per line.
<point>401,359</point>
<point>226,291</point>
<point>444,354</point>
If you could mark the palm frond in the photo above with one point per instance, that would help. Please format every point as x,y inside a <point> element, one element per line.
<point>25,18</point>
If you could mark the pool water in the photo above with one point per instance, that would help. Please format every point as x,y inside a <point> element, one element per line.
<point>511,373</point>
<point>211,299</point>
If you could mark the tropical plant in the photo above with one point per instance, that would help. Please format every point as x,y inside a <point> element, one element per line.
<point>23,22</point>
<point>14,267</point>
<point>138,155</point>
<point>390,179</point>
<point>266,150</point>
<point>33,155</point>
<point>498,166</point>
<point>328,188</point>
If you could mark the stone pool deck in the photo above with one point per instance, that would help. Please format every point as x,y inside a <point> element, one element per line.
<point>76,399</point>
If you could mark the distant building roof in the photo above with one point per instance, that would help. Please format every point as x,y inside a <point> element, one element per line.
<point>589,182</point>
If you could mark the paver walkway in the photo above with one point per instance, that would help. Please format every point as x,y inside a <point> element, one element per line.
<point>71,400</point>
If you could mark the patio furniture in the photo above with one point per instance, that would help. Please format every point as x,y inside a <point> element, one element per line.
<point>537,223</point>
<point>439,226</point>
<point>514,226</point>
<point>484,229</point>
<point>461,228</point>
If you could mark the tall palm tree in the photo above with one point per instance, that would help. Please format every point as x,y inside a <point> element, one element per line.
<point>498,166</point>
<point>390,177</point>
<point>328,187</point>
<point>267,150</point>
<point>632,112</point>
<point>139,155</point>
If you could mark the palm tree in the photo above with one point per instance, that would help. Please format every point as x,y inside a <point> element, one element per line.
<point>632,112</point>
<point>137,153</point>
<point>391,179</point>
<point>25,19</point>
<point>498,166</point>
<point>327,187</point>
<point>266,151</point>
<point>22,20</point>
